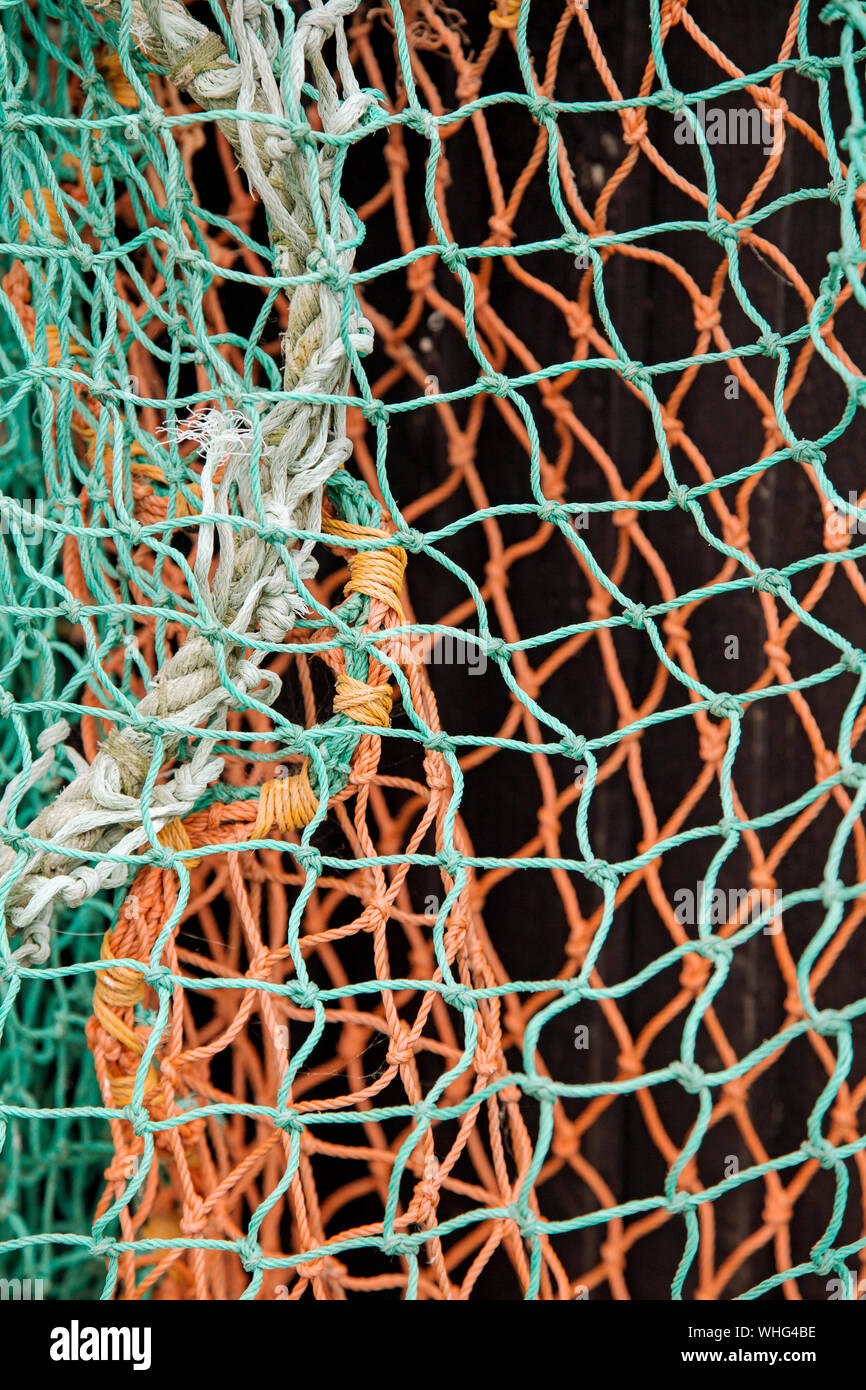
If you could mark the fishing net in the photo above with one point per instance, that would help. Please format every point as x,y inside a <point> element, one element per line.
<point>430,673</point>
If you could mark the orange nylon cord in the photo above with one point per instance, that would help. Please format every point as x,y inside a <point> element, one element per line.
<point>377,919</point>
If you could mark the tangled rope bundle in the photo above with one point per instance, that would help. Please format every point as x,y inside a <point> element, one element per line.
<point>303,1060</point>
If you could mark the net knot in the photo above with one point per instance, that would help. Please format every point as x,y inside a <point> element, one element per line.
<point>630,1064</point>
<point>452,256</point>
<point>290,1121</point>
<point>305,995</point>
<point>411,540</point>
<point>599,872</point>
<point>807,451</point>
<point>542,108</point>
<point>706,313</point>
<point>195,1216</point>
<point>679,1203</point>
<point>84,255</point>
<point>73,609</point>
<point>573,746</point>
<point>250,1253</point>
<point>636,616</point>
<point>151,117</point>
<point>375,411</point>
<point>500,226</point>
<point>281,144</point>
<point>353,640</point>
<point>770,103</point>
<point>826,765</point>
<point>824,1261</point>
<point>497,648</point>
<point>453,995</point>
<point>690,1076</point>
<point>845,1115</point>
<point>680,496</point>
<point>830,894</point>
<point>495,384</point>
<point>137,1118</point>
<point>852,659</point>
<point>423,121</point>
<point>468,84</point>
<point>811,67</point>
<point>724,706</point>
<point>450,861</point>
<point>308,858</point>
<point>540,1088</point>
<point>770,581</point>
<point>15,839</point>
<point>777,653</point>
<point>762,879</point>
<point>104,1249</point>
<point>579,324</point>
<point>829,1023</point>
<point>721,231</point>
<point>718,951</point>
<point>575,242</point>
<point>187,255</point>
<point>771,344</point>
<point>398,161</point>
<point>328,272</point>
<point>326,1268</point>
<point>612,1254</point>
<point>551,511</point>
<point>396,1245</point>
<point>635,373</point>
<point>634,126</point>
<point>401,1048</point>
<point>671,99</point>
<point>157,975</point>
<point>566,1143</point>
<point>673,428</point>
<point>854,775</point>
<point>777,1210</point>
<point>728,825</point>
<point>695,973</point>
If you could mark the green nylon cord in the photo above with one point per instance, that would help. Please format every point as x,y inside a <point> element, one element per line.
<point>54,1136</point>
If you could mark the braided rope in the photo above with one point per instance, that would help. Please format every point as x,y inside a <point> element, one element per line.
<point>277,465</point>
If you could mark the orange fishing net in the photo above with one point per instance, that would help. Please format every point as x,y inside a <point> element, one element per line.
<point>490,1028</point>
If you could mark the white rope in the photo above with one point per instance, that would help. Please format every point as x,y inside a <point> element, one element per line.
<point>250,593</point>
